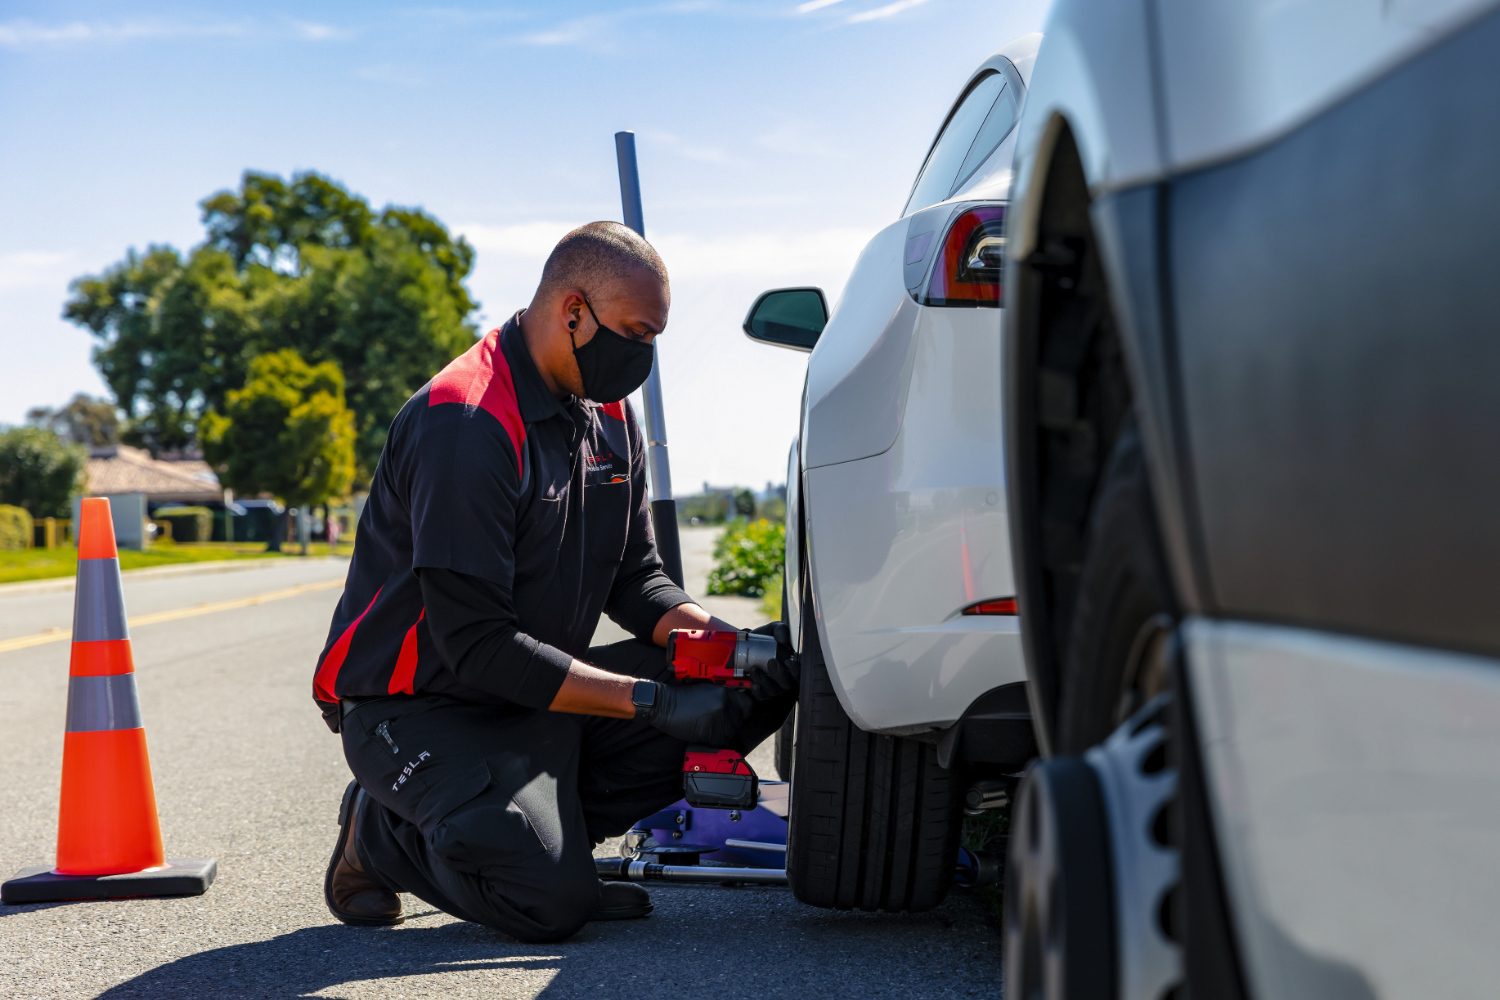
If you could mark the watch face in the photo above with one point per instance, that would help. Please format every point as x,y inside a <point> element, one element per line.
<point>644,694</point>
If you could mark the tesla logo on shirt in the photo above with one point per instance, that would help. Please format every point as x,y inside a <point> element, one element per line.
<point>601,470</point>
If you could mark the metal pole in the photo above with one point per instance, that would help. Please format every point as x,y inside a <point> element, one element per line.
<point>663,506</point>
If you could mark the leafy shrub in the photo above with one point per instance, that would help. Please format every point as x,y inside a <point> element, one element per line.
<point>39,471</point>
<point>747,557</point>
<point>15,528</point>
<point>189,524</point>
<point>770,601</point>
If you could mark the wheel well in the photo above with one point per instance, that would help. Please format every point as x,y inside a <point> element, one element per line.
<point>1077,397</point>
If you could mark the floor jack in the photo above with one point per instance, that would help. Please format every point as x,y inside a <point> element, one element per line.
<point>730,827</point>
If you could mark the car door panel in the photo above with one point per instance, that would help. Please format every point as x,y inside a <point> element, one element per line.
<point>1336,315</point>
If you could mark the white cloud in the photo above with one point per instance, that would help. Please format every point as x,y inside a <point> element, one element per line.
<point>881,13</point>
<point>519,239</point>
<point>692,256</point>
<point>34,269</point>
<point>689,150</point>
<point>575,32</point>
<point>29,34</point>
<point>313,32</point>
<point>26,34</point>
<point>601,32</point>
<point>812,5</point>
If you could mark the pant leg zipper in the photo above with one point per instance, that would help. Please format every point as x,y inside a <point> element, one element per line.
<point>384,729</point>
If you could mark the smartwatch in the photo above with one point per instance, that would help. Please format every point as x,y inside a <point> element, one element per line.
<point>643,697</point>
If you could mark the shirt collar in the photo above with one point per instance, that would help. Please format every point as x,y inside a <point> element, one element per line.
<point>536,401</point>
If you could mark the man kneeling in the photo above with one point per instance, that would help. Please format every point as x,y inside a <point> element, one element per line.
<point>491,748</point>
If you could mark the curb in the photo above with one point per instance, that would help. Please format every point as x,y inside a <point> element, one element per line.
<point>180,569</point>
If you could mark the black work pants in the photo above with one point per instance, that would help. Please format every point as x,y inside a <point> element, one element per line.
<point>491,813</point>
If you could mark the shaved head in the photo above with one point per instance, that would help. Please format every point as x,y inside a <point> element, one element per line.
<point>599,258</point>
<point>599,276</point>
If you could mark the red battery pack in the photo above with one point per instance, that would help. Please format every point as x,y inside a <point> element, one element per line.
<point>718,779</point>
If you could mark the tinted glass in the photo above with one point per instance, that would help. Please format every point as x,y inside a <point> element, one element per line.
<point>997,125</point>
<point>793,317</point>
<point>941,169</point>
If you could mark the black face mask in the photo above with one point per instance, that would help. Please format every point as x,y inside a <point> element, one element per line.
<point>612,365</point>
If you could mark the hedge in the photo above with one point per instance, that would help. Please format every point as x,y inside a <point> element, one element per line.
<point>189,524</point>
<point>747,558</point>
<point>15,528</point>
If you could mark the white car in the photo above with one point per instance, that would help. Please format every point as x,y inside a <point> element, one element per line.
<point>1252,416</point>
<point>899,586</point>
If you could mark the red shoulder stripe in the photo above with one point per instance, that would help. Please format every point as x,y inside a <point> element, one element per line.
<point>480,377</point>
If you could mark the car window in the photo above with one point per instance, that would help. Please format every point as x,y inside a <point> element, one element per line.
<point>997,125</point>
<point>941,169</point>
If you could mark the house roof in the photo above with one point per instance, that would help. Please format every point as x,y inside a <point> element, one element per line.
<point>122,469</point>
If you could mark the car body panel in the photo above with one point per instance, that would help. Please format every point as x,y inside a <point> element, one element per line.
<point>857,373</point>
<point>901,490</point>
<point>791,573</point>
<point>1238,75</point>
<point>900,542</point>
<point>1093,74</point>
<point>1357,805</point>
<point>1305,299</point>
<point>1333,300</point>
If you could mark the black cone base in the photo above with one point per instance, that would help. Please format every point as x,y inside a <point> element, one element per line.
<point>178,877</point>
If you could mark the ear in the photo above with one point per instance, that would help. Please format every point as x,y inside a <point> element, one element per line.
<point>572,307</point>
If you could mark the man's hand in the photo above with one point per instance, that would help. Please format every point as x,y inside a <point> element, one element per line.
<point>700,713</point>
<point>782,676</point>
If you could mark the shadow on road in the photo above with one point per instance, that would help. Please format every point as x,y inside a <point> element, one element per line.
<point>313,959</point>
<point>16,909</point>
<point>789,952</point>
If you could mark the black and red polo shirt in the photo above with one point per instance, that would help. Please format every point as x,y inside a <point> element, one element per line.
<point>501,523</point>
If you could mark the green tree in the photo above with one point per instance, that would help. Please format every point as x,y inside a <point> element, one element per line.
<point>40,471</point>
<point>85,420</point>
<point>302,264</point>
<point>744,503</point>
<point>288,432</point>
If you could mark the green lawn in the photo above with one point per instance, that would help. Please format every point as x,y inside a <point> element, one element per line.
<point>42,564</point>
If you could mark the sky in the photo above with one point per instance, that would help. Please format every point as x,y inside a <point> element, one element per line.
<point>774,139</point>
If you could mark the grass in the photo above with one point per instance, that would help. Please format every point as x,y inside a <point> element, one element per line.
<point>45,564</point>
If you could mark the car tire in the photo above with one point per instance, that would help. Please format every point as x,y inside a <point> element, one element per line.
<point>1124,602</point>
<point>785,743</point>
<point>875,820</point>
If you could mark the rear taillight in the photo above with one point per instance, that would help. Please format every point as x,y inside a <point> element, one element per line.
<point>969,259</point>
<point>999,606</point>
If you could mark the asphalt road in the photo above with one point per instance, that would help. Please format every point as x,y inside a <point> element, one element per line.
<point>246,772</point>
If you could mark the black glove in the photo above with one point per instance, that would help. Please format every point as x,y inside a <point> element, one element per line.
<point>782,676</point>
<point>700,713</point>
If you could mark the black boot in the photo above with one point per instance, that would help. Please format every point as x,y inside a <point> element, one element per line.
<point>620,901</point>
<point>352,894</point>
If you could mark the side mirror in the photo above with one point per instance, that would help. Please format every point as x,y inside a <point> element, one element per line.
<point>788,317</point>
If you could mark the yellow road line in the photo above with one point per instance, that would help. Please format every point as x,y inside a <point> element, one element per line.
<point>137,621</point>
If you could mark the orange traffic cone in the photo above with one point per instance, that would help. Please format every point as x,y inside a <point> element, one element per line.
<point>108,841</point>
